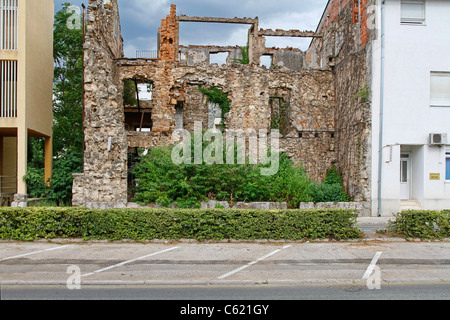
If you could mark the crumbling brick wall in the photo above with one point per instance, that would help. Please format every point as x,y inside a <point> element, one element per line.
<point>169,36</point>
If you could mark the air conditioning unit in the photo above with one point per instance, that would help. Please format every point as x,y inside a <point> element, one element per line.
<point>438,139</point>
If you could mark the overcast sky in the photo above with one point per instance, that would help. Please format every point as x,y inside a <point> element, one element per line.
<point>140,20</point>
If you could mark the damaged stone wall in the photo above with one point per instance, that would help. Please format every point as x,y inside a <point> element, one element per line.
<point>104,180</point>
<point>309,94</point>
<point>346,50</point>
<point>325,127</point>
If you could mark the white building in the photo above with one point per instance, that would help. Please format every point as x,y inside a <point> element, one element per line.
<point>410,104</point>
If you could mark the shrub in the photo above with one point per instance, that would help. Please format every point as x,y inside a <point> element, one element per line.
<point>159,180</point>
<point>421,224</point>
<point>175,224</point>
<point>59,189</point>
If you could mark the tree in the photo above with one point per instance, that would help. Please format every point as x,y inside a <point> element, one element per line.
<point>67,115</point>
<point>68,83</point>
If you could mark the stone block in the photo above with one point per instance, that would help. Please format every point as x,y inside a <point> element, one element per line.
<point>307,205</point>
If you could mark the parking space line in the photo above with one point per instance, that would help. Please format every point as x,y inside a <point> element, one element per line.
<point>252,263</point>
<point>372,265</point>
<point>127,262</point>
<point>32,253</point>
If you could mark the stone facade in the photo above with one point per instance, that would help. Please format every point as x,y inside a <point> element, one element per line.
<point>345,48</point>
<point>324,126</point>
<point>104,180</point>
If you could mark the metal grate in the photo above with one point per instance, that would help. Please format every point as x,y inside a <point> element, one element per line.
<point>8,89</point>
<point>8,24</point>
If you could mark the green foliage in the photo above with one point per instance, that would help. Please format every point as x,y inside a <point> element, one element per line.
<point>129,93</point>
<point>280,117</point>
<point>331,189</point>
<point>34,178</point>
<point>60,190</point>
<point>159,180</point>
<point>363,94</point>
<point>245,56</point>
<point>216,95</point>
<point>421,224</point>
<point>68,83</point>
<point>173,224</point>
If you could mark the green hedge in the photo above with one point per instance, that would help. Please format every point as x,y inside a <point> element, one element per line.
<point>422,224</point>
<point>147,224</point>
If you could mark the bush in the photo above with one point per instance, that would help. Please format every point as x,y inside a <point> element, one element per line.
<point>60,185</point>
<point>159,180</point>
<point>173,224</point>
<point>421,224</point>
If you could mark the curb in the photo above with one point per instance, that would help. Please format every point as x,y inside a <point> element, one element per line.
<point>361,282</point>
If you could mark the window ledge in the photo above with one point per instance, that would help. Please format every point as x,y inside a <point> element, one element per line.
<point>413,24</point>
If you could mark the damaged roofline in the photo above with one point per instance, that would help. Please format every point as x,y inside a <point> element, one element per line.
<point>184,18</point>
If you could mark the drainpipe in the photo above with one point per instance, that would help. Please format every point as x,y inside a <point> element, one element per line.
<point>380,152</point>
<point>84,93</point>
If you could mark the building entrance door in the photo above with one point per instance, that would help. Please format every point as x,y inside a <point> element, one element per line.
<point>405,176</point>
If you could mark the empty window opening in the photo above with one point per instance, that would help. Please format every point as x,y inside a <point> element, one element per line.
<point>145,91</point>
<point>212,34</point>
<point>179,116</point>
<point>138,104</point>
<point>266,60</point>
<point>135,91</point>
<point>214,114</point>
<point>279,113</point>
<point>218,57</point>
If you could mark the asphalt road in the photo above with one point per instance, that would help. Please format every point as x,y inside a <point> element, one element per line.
<point>242,293</point>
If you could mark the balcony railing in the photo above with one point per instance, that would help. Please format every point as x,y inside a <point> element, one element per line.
<point>8,24</point>
<point>146,54</point>
<point>8,89</point>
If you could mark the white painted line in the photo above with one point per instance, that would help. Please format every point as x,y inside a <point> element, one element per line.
<point>372,265</point>
<point>127,262</point>
<point>226,275</point>
<point>31,253</point>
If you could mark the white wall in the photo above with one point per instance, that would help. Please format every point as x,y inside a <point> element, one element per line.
<point>412,53</point>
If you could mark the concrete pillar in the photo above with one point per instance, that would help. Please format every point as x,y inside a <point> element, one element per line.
<point>48,158</point>
<point>22,142</point>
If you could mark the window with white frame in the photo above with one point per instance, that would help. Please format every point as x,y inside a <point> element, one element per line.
<point>413,12</point>
<point>440,89</point>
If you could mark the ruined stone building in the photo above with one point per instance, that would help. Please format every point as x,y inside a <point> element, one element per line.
<point>327,117</point>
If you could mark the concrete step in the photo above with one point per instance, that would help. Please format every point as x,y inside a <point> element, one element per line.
<point>410,205</point>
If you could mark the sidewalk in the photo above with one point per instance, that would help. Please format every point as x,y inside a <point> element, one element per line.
<point>369,225</point>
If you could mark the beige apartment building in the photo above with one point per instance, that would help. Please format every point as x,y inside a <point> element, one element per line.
<point>26,79</point>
